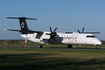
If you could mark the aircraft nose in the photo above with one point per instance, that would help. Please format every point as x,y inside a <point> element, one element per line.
<point>99,42</point>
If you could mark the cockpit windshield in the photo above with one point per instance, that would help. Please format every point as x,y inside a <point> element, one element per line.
<point>90,36</point>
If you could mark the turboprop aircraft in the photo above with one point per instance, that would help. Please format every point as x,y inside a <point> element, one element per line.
<point>43,37</point>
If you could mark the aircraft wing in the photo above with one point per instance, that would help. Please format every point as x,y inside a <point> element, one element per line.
<point>28,31</point>
<point>69,32</point>
<point>92,32</point>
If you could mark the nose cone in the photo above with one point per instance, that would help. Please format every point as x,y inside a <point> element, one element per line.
<point>98,42</point>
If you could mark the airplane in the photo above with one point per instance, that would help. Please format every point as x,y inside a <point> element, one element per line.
<point>44,37</point>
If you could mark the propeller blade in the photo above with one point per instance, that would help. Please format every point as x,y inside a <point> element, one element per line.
<point>52,34</point>
<point>55,29</point>
<point>51,38</point>
<point>54,39</point>
<point>78,31</point>
<point>50,29</point>
<point>83,30</point>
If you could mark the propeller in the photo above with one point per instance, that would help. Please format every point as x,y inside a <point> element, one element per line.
<point>87,32</point>
<point>82,30</point>
<point>52,34</point>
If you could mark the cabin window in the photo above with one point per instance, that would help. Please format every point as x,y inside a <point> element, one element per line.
<point>38,35</point>
<point>90,36</point>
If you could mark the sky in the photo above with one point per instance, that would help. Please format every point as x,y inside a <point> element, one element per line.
<point>66,15</point>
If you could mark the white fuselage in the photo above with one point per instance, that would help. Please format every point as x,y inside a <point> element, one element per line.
<point>64,38</point>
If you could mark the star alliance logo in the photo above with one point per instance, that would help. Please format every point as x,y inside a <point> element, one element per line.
<point>22,25</point>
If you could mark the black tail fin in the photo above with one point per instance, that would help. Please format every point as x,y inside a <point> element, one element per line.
<point>23,24</point>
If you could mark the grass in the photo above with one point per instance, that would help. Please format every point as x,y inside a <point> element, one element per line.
<point>51,45</point>
<point>51,59</point>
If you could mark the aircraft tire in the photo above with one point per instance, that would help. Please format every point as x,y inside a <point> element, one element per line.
<point>69,46</point>
<point>40,46</point>
<point>95,47</point>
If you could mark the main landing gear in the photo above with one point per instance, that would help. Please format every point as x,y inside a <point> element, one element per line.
<point>95,47</point>
<point>40,46</point>
<point>69,46</point>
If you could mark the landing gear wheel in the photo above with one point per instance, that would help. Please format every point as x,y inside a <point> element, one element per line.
<point>69,46</point>
<point>95,47</point>
<point>40,46</point>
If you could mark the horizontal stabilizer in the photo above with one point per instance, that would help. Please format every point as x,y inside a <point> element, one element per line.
<point>26,31</point>
<point>21,18</point>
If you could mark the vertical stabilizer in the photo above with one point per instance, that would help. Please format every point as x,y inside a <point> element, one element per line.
<point>23,24</point>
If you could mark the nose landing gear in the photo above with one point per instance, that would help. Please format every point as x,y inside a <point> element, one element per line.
<point>40,46</point>
<point>95,47</point>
